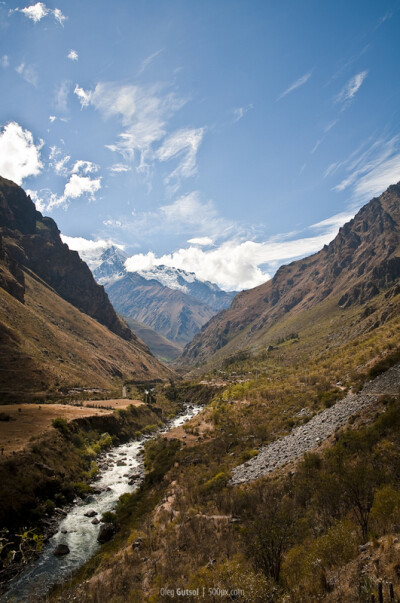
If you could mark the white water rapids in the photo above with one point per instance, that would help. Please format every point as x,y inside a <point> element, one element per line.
<point>77,530</point>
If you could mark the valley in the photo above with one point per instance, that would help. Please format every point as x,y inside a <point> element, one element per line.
<point>267,448</point>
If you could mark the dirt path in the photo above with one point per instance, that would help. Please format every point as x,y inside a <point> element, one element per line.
<point>311,435</point>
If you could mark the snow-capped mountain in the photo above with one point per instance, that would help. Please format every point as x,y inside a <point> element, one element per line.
<point>176,278</point>
<point>107,264</point>
<point>173,302</point>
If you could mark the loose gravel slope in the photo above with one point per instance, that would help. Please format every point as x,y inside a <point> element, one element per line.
<point>309,436</point>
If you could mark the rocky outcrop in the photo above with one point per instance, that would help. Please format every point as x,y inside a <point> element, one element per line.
<point>31,241</point>
<point>358,264</point>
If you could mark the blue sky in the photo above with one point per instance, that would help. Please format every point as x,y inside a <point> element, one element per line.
<point>224,137</point>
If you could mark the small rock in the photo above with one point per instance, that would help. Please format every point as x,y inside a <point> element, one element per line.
<point>95,521</point>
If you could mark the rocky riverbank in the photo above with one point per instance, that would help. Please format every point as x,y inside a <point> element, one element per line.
<point>311,435</point>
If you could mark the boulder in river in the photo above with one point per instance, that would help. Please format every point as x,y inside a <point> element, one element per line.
<point>95,521</point>
<point>60,550</point>
<point>90,513</point>
<point>106,532</point>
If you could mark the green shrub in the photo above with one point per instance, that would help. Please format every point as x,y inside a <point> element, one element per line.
<point>109,517</point>
<point>61,424</point>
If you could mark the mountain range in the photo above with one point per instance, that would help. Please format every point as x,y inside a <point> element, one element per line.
<point>362,261</point>
<point>58,328</point>
<point>172,302</point>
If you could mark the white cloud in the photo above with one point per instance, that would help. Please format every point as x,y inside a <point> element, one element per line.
<point>52,118</point>
<point>81,244</point>
<point>240,112</point>
<point>80,185</point>
<point>28,72</point>
<point>233,265</point>
<point>351,88</point>
<point>73,55</point>
<point>59,16</point>
<point>237,265</point>
<point>183,143</point>
<point>59,162</point>
<point>300,82</point>
<point>4,61</point>
<point>84,97</point>
<point>370,172</point>
<point>36,12</point>
<point>19,155</point>
<point>76,187</point>
<point>201,241</point>
<point>143,112</point>
<point>149,60</point>
<point>86,167</point>
<point>120,167</point>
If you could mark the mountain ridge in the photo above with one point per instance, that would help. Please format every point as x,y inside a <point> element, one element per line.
<point>360,261</point>
<point>58,329</point>
<point>171,301</point>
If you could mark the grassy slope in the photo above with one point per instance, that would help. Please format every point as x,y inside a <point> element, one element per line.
<point>47,343</point>
<point>184,518</point>
<point>161,347</point>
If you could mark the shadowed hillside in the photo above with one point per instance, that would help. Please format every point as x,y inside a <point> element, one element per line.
<point>58,328</point>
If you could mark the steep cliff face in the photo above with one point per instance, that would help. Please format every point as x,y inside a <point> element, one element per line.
<point>32,241</point>
<point>362,260</point>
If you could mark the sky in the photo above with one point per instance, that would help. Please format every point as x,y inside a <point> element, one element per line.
<point>223,137</point>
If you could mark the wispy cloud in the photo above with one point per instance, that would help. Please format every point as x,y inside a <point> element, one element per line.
<point>118,168</point>
<point>240,112</point>
<point>143,111</point>
<point>369,172</point>
<point>149,60</point>
<point>36,12</point>
<point>19,155</point>
<point>185,144</point>
<point>73,55</point>
<point>299,82</point>
<point>4,61</point>
<point>351,88</point>
<point>28,72</point>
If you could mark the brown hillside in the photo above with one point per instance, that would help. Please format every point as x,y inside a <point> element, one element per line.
<point>33,241</point>
<point>362,260</point>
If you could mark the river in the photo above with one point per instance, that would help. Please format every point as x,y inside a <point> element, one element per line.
<point>75,529</point>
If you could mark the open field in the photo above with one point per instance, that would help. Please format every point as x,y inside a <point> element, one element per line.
<point>32,420</point>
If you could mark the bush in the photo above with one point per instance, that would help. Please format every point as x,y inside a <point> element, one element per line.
<point>385,511</point>
<point>109,517</point>
<point>61,424</point>
<point>4,416</point>
<point>216,483</point>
